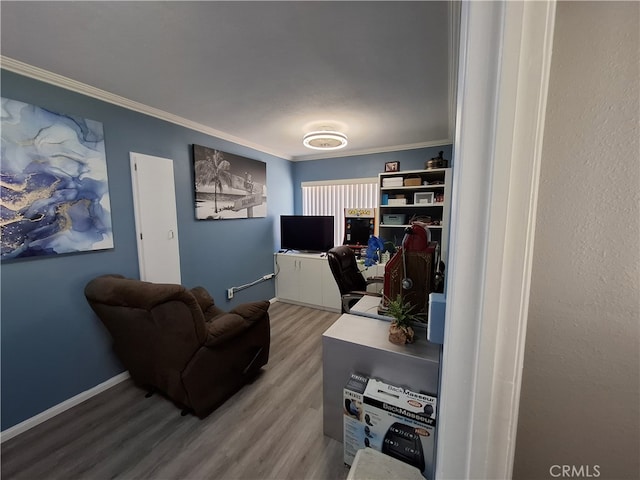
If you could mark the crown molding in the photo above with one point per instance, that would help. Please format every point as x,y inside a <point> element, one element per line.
<point>61,81</point>
<point>353,153</point>
<point>51,78</point>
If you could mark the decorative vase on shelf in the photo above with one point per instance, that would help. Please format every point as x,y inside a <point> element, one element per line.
<point>400,331</point>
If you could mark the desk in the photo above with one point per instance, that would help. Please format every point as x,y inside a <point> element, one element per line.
<point>360,344</point>
<point>367,306</point>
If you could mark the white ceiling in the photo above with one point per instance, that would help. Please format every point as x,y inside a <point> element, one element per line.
<point>258,73</point>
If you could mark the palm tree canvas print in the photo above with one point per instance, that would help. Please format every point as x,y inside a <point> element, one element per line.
<point>228,185</point>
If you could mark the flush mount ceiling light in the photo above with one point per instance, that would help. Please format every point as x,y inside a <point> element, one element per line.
<point>325,140</point>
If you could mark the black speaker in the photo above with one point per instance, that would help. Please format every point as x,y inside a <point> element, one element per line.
<point>402,442</point>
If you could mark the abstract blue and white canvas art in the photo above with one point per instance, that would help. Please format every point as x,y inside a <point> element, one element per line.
<point>54,191</point>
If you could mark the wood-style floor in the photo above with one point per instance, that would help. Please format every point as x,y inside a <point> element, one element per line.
<point>271,429</point>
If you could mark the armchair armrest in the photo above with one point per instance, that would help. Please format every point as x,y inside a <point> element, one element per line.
<point>224,328</point>
<point>376,283</point>
<point>252,311</point>
<point>361,293</point>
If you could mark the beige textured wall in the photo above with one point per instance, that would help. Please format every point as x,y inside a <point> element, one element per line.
<point>580,398</point>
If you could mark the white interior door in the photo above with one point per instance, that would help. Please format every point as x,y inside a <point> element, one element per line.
<point>154,201</point>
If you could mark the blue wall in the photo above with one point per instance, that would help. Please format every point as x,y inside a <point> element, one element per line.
<point>360,166</point>
<point>53,347</point>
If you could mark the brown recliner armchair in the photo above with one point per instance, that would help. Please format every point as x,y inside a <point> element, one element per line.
<point>178,342</point>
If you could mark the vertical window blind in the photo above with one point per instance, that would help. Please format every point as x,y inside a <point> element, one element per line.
<point>332,197</point>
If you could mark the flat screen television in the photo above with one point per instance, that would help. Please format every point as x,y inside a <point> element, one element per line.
<point>310,233</point>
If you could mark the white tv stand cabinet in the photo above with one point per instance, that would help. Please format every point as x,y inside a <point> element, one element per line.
<point>306,279</point>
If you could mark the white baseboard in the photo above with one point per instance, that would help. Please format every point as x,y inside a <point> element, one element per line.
<point>61,407</point>
<point>309,305</point>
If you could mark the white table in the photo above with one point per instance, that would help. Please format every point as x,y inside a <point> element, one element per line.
<point>360,344</point>
<point>367,306</point>
<point>370,464</point>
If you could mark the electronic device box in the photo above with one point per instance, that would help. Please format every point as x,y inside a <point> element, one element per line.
<point>393,420</point>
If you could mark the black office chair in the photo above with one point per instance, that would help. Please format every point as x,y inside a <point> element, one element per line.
<point>351,282</point>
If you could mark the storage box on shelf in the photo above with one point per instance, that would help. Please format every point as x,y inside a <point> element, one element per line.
<point>415,194</point>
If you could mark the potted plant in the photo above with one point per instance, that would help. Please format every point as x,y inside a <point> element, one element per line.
<point>400,331</point>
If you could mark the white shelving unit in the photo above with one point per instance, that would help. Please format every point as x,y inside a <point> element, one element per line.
<point>436,181</point>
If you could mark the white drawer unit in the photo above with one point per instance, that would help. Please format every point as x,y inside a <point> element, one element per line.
<point>306,279</point>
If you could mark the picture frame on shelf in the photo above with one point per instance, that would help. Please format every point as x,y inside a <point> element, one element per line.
<point>392,167</point>
<point>423,198</point>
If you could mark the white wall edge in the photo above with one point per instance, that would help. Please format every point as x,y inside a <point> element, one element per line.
<point>61,407</point>
<point>505,54</point>
<point>477,84</point>
<point>524,155</point>
<point>136,213</point>
<point>454,48</point>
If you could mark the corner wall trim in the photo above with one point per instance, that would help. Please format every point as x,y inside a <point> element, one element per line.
<point>61,407</point>
<point>505,58</point>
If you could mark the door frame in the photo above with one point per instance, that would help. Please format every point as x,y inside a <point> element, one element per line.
<point>503,72</point>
